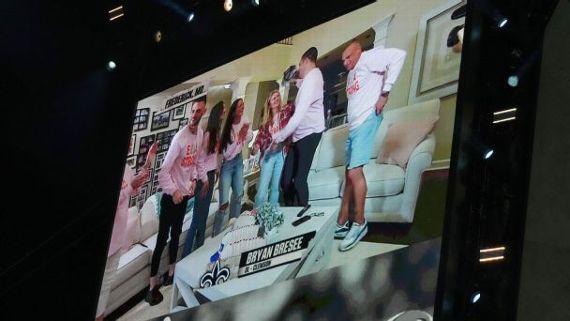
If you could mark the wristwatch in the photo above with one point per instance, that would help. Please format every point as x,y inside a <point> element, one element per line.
<point>385,94</point>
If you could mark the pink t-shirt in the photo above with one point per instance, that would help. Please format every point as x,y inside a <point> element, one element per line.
<point>234,148</point>
<point>182,163</point>
<point>122,214</point>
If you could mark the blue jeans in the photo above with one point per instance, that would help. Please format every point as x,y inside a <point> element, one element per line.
<point>199,215</point>
<point>271,168</point>
<point>231,175</point>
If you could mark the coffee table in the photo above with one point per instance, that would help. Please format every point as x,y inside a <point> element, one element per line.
<point>190,269</point>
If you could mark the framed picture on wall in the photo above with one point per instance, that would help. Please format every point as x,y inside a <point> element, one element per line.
<point>183,122</point>
<point>131,161</point>
<point>179,112</point>
<point>164,139</point>
<point>132,144</point>
<point>436,66</point>
<point>142,196</point>
<point>158,161</point>
<point>144,144</point>
<point>141,119</point>
<point>160,120</point>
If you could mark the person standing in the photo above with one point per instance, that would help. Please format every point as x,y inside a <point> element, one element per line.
<point>306,127</point>
<point>236,133</point>
<point>180,169</point>
<point>211,159</point>
<point>276,118</point>
<point>129,187</point>
<point>370,78</point>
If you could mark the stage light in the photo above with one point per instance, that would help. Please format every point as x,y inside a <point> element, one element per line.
<point>111,65</point>
<point>157,36</point>
<point>502,22</point>
<point>475,297</point>
<point>513,81</point>
<point>190,17</point>
<point>228,5</point>
<point>116,13</point>
<point>489,153</point>
<point>255,3</point>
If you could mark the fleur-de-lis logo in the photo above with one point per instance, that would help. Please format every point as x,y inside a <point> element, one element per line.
<point>216,276</point>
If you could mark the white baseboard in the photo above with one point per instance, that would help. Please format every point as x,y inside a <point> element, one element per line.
<point>439,164</point>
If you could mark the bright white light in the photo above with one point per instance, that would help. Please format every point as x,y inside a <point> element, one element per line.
<point>504,120</point>
<point>504,111</point>
<point>513,81</point>
<point>255,2</point>
<point>111,65</point>
<point>475,297</point>
<point>503,22</point>
<point>488,154</point>
<point>227,86</point>
<point>190,16</point>
<point>228,5</point>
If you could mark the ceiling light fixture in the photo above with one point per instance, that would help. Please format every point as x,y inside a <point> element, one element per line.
<point>191,16</point>
<point>503,22</point>
<point>228,5</point>
<point>111,65</point>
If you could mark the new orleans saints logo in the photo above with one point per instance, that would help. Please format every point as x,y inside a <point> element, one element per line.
<point>216,276</point>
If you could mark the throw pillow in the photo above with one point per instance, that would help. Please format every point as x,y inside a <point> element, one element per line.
<point>401,139</point>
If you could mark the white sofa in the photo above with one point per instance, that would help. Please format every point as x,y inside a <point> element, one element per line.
<point>134,264</point>
<point>392,190</point>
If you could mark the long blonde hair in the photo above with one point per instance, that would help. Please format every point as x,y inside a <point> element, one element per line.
<point>268,114</point>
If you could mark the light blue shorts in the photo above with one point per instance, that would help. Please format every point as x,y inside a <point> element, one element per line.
<point>360,142</point>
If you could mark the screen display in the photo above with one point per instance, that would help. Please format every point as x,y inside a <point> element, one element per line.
<point>308,173</point>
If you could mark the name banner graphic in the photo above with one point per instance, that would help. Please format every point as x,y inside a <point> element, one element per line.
<point>186,96</point>
<point>274,254</point>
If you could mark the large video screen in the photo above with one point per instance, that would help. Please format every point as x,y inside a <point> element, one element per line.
<point>317,164</point>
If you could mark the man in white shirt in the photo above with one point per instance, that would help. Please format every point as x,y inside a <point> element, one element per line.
<point>305,127</point>
<point>370,78</point>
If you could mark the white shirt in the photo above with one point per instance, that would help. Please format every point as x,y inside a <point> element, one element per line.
<point>375,72</point>
<point>309,115</point>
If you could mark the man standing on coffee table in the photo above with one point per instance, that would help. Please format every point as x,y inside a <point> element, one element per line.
<point>370,78</point>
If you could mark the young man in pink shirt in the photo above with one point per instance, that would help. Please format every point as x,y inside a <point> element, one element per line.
<point>370,78</point>
<point>180,169</point>
<point>306,127</point>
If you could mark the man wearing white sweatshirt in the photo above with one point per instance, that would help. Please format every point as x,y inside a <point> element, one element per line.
<point>305,127</point>
<point>369,81</point>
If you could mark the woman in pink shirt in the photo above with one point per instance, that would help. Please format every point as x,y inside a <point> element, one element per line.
<point>211,160</point>
<point>237,132</point>
<point>129,187</point>
<point>276,118</point>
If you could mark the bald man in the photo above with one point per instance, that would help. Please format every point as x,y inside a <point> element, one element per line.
<point>370,78</point>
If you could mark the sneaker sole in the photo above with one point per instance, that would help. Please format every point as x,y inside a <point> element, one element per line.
<point>338,237</point>
<point>355,242</point>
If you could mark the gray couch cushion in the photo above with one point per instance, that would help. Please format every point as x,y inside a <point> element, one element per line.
<point>325,183</point>
<point>131,262</point>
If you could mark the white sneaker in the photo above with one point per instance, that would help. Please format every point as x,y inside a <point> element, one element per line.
<point>341,230</point>
<point>356,233</point>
